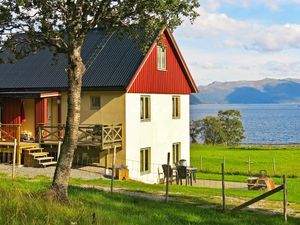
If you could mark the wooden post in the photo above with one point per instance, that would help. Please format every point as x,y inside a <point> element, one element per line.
<point>249,166</point>
<point>14,159</point>
<point>284,199</point>
<point>201,163</point>
<point>223,188</point>
<point>274,166</point>
<point>113,170</point>
<point>19,153</point>
<point>224,161</point>
<point>167,183</point>
<point>106,163</point>
<point>40,135</point>
<point>58,149</point>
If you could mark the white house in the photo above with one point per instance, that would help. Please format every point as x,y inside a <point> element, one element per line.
<point>137,102</point>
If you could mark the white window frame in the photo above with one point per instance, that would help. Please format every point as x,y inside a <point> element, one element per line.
<point>145,160</point>
<point>145,108</point>
<point>176,107</point>
<point>176,152</point>
<point>162,58</point>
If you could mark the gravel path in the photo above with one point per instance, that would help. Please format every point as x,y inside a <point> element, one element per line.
<point>86,173</point>
<point>91,172</point>
<point>218,184</point>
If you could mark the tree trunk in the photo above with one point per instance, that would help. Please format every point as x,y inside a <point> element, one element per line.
<point>75,72</point>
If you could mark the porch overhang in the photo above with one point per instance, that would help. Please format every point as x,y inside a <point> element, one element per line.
<point>29,94</point>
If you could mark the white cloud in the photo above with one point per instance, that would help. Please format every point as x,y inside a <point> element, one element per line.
<point>273,5</point>
<point>236,33</point>
<point>220,47</point>
<point>212,24</point>
<point>276,38</point>
<point>212,5</point>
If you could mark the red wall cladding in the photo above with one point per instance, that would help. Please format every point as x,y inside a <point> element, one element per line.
<point>11,113</point>
<point>41,112</point>
<point>151,80</point>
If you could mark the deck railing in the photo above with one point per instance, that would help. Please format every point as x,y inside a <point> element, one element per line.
<point>90,135</point>
<point>9,132</point>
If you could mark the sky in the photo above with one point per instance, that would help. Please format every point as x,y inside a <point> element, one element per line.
<point>242,40</point>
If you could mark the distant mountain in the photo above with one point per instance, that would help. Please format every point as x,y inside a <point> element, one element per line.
<point>194,100</point>
<point>250,92</point>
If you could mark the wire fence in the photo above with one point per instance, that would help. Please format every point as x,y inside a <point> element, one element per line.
<point>248,166</point>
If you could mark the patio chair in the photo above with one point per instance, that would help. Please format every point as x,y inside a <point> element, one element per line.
<point>182,173</point>
<point>172,173</point>
<point>160,178</point>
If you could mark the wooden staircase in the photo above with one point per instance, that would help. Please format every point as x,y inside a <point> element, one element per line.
<point>36,157</point>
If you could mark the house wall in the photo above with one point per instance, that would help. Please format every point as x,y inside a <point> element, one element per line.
<point>29,125</point>
<point>112,111</point>
<point>159,134</point>
<point>151,80</point>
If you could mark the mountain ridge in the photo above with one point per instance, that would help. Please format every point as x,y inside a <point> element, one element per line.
<point>250,92</point>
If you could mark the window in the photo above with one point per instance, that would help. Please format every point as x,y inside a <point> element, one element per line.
<point>95,102</point>
<point>161,58</point>
<point>176,153</point>
<point>145,108</point>
<point>176,107</point>
<point>145,160</point>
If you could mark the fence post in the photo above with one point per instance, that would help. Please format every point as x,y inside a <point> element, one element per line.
<point>274,166</point>
<point>167,182</point>
<point>201,165</point>
<point>19,153</point>
<point>224,161</point>
<point>284,199</point>
<point>113,170</point>
<point>14,159</point>
<point>249,166</point>
<point>223,187</point>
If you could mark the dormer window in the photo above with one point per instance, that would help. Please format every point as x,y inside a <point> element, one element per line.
<point>161,58</point>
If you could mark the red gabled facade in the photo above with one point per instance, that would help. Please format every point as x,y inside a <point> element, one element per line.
<point>175,80</point>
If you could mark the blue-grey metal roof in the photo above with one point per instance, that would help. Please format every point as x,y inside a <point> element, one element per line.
<point>110,67</point>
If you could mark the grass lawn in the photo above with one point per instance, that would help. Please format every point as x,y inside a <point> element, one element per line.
<point>22,203</point>
<point>236,159</point>
<point>237,168</point>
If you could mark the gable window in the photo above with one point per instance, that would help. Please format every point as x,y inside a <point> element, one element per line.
<point>95,102</point>
<point>145,108</point>
<point>161,58</point>
<point>145,160</point>
<point>176,153</point>
<point>176,107</point>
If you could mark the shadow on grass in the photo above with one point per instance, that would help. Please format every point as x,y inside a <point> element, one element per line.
<point>136,210</point>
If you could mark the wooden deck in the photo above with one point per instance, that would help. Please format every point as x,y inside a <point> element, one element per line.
<point>103,137</point>
<point>7,149</point>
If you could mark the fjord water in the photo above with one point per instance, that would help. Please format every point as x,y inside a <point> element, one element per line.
<point>263,123</point>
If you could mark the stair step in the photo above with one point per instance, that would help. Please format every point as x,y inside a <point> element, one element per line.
<point>44,158</point>
<point>31,150</point>
<point>44,164</point>
<point>39,154</point>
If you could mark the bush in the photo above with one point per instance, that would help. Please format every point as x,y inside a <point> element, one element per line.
<point>225,128</point>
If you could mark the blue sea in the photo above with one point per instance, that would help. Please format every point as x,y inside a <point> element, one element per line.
<point>263,123</point>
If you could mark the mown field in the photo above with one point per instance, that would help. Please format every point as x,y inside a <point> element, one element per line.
<point>23,202</point>
<point>287,160</point>
<point>236,159</point>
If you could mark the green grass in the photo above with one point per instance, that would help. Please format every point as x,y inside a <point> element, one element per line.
<point>236,167</point>
<point>22,203</point>
<point>236,159</point>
